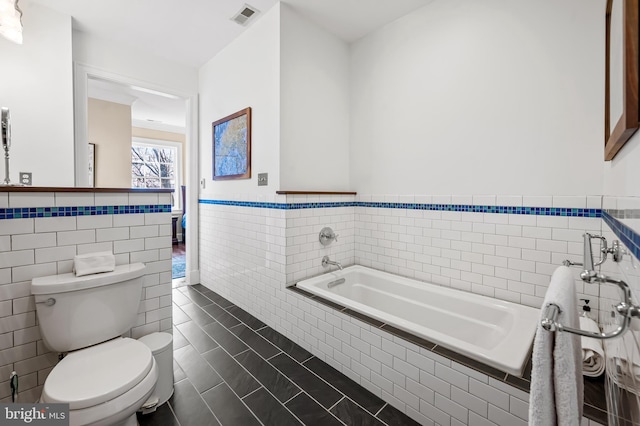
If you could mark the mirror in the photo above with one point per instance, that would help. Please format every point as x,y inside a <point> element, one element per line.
<point>622,109</point>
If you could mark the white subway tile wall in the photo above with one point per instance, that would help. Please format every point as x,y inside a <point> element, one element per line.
<point>506,256</point>
<point>44,246</point>
<point>304,252</point>
<point>250,254</point>
<point>628,269</point>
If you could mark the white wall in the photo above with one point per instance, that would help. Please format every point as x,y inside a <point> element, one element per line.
<point>314,106</point>
<point>245,74</point>
<point>622,174</point>
<point>36,84</point>
<point>134,64</point>
<point>465,97</point>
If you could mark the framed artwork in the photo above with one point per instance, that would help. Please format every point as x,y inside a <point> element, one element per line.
<point>622,74</point>
<point>92,165</point>
<point>232,146</point>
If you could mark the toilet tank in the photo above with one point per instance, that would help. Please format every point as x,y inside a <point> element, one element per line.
<point>89,309</point>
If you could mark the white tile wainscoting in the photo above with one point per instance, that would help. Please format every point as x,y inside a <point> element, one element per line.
<point>252,249</point>
<point>135,226</point>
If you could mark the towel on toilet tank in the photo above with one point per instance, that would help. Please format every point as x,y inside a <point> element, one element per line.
<point>556,395</point>
<point>94,263</point>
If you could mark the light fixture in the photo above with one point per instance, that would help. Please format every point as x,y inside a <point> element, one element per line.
<point>11,20</point>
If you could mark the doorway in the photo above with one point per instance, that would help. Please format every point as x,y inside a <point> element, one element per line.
<point>162,138</point>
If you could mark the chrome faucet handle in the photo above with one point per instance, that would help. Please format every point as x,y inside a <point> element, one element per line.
<point>327,236</point>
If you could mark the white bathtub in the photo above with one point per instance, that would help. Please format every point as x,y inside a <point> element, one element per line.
<point>494,332</point>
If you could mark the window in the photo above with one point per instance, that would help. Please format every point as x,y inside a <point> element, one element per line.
<point>156,164</point>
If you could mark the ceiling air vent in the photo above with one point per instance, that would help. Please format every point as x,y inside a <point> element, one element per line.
<point>246,14</point>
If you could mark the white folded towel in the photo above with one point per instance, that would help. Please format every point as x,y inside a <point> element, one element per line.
<point>623,359</point>
<point>592,350</point>
<point>94,263</point>
<point>556,395</point>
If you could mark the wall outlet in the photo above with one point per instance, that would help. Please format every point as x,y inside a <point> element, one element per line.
<point>25,178</point>
<point>263,179</point>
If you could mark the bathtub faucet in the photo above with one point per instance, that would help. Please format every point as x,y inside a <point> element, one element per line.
<point>326,261</point>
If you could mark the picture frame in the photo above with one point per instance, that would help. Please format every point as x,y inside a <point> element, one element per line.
<point>622,74</point>
<point>231,137</point>
<point>92,164</point>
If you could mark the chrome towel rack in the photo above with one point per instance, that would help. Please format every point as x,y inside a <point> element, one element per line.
<point>626,309</point>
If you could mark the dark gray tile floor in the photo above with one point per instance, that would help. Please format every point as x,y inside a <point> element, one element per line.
<point>232,369</point>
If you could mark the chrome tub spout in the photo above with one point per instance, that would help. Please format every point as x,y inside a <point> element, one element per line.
<point>326,261</point>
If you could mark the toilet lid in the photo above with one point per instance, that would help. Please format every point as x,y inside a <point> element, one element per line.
<point>98,374</point>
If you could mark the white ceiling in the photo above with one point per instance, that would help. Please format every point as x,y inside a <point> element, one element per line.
<point>193,31</point>
<point>148,108</point>
<point>352,19</point>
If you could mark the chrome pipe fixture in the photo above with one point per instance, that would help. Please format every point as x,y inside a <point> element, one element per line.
<point>326,262</point>
<point>626,309</point>
<point>588,273</point>
<point>587,253</point>
<point>589,265</point>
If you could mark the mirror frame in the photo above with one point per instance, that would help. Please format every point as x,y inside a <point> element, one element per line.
<point>628,123</point>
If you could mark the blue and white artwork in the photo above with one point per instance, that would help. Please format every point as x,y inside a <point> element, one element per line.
<point>231,148</point>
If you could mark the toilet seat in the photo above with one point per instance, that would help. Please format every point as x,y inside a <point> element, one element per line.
<point>100,373</point>
<point>118,409</point>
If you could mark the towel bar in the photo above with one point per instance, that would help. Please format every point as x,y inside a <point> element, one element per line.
<point>549,323</point>
<point>625,308</point>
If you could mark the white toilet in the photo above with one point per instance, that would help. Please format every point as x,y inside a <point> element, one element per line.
<point>104,378</point>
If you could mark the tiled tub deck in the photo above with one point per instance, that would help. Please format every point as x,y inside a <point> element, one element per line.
<point>594,397</point>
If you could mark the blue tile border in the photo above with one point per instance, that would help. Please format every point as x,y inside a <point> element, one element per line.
<point>36,212</point>
<point>537,211</point>
<point>628,236</point>
<point>521,210</point>
<point>277,206</point>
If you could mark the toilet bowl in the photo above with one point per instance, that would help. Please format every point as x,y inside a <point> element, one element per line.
<point>103,384</point>
<point>105,378</point>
